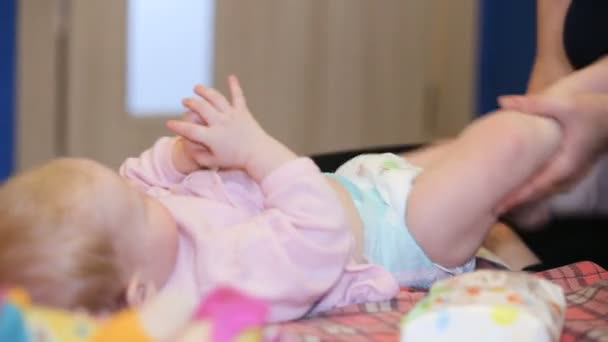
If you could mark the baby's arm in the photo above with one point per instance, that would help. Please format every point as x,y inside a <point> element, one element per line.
<point>296,248</point>
<point>222,135</point>
<point>181,157</point>
<point>292,253</point>
<point>452,204</point>
<point>154,167</point>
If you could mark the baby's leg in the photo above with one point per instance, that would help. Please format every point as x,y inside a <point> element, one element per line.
<point>425,156</point>
<point>501,240</point>
<point>451,206</point>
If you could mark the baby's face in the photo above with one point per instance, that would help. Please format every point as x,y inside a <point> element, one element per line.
<point>148,246</point>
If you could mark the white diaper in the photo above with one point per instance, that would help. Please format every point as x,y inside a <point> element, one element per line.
<point>488,306</point>
<point>380,185</point>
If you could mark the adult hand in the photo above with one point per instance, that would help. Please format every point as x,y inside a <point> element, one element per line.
<point>584,121</point>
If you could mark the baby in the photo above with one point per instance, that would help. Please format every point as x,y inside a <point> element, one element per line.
<point>224,203</point>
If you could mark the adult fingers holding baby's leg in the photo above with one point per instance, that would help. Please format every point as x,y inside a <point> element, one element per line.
<point>214,97</point>
<point>584,138</point>
<point>557,107</point>
<point>558,176</point>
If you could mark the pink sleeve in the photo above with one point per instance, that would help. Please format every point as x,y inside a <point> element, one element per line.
<point>154,167</point>
<point>293,253</point>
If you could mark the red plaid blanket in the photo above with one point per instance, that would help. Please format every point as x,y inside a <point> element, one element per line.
<point>585,285</point>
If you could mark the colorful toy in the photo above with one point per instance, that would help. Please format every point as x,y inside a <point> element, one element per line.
<point>225,315</point>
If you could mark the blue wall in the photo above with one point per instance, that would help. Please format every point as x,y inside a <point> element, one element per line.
<point>506,51</point>
<point>8,31</point>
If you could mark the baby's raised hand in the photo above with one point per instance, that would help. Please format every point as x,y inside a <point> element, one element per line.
<point>228,134</point>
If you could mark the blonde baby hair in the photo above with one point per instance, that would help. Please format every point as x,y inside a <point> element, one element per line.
<point>55,240</point>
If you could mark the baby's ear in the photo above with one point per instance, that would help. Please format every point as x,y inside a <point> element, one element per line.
<point>139,291</point>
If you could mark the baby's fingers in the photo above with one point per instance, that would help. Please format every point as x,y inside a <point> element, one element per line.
<point>202,108</point>
<point>554,107</point>
<point>213,97</point>
<point>193,117</point>
<point>193,132</point>
<point>549,181</point>
<point>205,158</point>
<point>238,98</point>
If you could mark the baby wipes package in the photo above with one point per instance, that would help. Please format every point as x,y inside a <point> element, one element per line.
<point>488,305</point>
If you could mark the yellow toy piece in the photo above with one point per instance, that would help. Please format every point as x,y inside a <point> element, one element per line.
<point>58,325</point>
<point>250,335</point>
<point>18,297</point>
<point>125,326</point>
<point>45,324</point>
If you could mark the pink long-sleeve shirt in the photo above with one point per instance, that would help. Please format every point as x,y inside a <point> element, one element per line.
<point>286,240</point>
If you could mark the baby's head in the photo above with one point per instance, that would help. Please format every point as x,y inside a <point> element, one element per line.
<point>75,235</point>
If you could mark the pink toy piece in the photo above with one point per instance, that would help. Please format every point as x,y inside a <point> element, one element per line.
<point>230,312</point>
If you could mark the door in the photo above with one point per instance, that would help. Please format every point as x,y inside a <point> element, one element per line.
<point>8,12</point>
<point>319,75</point>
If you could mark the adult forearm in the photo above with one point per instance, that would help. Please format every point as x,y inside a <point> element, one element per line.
<point>551,62</point>
<point>590,80</point>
